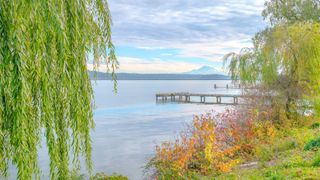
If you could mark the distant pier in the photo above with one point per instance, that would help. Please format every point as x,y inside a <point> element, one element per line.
<point>228,86</point>
<point>199,98</point>
<point>232,86</point>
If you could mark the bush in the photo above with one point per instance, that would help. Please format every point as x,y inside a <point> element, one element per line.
<point>315,125</point>
<point>202,149</point>
<point>313,144</point>
<point>103,176</point>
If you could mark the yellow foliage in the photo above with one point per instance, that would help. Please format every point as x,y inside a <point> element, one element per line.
<point>197,150</point>
<point>265,130</point>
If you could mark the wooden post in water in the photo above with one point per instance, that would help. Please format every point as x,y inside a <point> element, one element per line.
<point>188,98</point>
<point>218,99</point>
<point>235,100</point>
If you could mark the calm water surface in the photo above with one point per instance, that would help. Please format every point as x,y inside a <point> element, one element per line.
<point>129,124</point>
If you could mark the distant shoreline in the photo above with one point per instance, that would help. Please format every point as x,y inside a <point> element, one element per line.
<point>134,76</point>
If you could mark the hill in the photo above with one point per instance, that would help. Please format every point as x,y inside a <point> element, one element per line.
<point>135,76</point>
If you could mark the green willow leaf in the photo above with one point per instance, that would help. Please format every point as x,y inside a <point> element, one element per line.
<point>45,88</point>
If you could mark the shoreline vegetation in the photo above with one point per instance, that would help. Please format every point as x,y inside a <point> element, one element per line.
<point>236,145</point>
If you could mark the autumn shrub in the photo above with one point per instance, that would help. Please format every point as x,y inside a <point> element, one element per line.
<point>246,130</point>
<point>202,149</point>
<point>236,128</point>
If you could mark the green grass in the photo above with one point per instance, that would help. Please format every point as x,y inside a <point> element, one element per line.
<point>285,158</point>
<point>274,173</point>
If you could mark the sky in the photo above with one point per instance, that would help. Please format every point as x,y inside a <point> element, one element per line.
<point>173,36</point>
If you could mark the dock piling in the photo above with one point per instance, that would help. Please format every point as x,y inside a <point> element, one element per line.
<point>202,98</point>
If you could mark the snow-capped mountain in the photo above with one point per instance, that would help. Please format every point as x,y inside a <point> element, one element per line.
<point>204,70</point>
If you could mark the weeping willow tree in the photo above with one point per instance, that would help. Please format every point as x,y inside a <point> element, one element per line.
<point>285,57</point>
<point>291,11</point>
<point>45,88</point>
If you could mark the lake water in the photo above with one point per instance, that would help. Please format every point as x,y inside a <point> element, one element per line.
<point>129,123</point>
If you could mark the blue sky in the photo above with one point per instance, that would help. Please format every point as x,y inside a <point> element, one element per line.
<point>171,36</point>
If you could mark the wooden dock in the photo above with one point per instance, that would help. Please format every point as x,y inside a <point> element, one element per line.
<point>198,98</point>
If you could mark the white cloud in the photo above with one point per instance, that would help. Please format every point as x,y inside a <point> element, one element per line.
<point>136,65</point>
<point>213,50</point>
